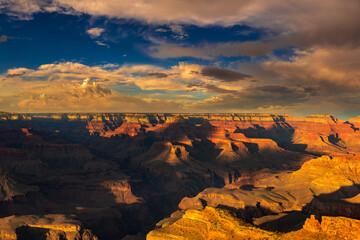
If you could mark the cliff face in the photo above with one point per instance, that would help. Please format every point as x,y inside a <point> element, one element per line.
<point>317,133</point>
<point>320,134</point>
<point>121,173</point>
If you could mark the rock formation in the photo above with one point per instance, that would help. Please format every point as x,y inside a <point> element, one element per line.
<point>213,223</point>
<point>47,227</point>
<point>121,173</point>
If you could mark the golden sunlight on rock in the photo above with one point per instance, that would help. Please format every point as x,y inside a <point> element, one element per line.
<point>213,223</point>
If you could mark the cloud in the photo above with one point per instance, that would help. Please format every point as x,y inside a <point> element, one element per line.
<point>20,9</point>
<point>315,80</point>
<point>290,15</point>
<point>108,103</point>
<point>148,77</point>
<point>3,38</point>
<point>157,74</point>
<point>208,51</point>
<point>25,9</point>
<point>329,38</point>
<point>95,32</point>
<point>305,24</point>
<point>71,86</point>
<point>102,44</point>
<point>329,70</point>
<point>330,76</point>
<point>93,90</point>
<point>222,74</point>
<point>214,89</point>
<point>165,50</point>
<point>110,65</point>
<point>209,88</point>
<point>161,30</point>
<point>61,87</point>
<point>253,98</point>
<point>57,95</point>
<point>17,72</point>
<point>178,31</point>
<point>326,78</point>
<point>291,24</point>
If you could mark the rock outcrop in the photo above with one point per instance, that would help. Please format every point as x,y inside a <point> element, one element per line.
<point>213,223</point>
<point>49,227</point>
<point>249,203</point>
<point>210,223</point>
<point>323,186</point>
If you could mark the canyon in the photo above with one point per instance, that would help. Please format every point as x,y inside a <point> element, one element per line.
<point>178,176</point>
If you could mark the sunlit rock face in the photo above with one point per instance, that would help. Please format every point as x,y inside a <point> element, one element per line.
<point>215,223</point>
<point>323,186</point>
<point>119,174</point>
<point>210,223</point>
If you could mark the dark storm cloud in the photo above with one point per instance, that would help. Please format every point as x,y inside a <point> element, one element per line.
<point>157,74</point>
<point>274,95</point>
<point>14,75</point>
<point>255,97</point>
<point>222,74</point>
<point>190,85</point>
<point>209,88</point>
<point>311,91</point>
<point>214,89</point>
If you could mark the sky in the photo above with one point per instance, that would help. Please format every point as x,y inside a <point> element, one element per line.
<point>178,56</point>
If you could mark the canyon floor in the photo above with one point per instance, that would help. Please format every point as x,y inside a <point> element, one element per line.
<point>178,176</point>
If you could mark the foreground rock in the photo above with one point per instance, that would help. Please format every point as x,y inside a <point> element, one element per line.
<point>213,223</point>
<point>210,223</point>
<point>49,227</point>
<point>323,186</point>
